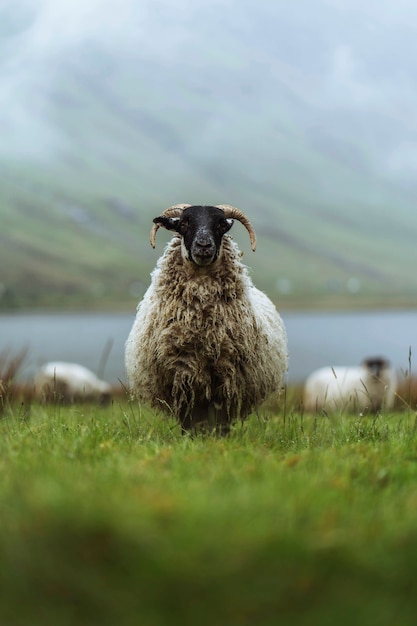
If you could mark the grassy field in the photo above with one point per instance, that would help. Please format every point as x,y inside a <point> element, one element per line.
<point>110,516</point>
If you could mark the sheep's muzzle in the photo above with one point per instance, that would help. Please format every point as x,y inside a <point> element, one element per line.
<point>203,249</point>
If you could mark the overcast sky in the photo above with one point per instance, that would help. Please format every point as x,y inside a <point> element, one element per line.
<point>353,54</point>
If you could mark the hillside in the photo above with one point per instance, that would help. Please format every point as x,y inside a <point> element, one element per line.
<point>110,135</point>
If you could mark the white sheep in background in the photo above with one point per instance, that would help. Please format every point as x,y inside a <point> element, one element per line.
<point>206,345</point>
<point>369,387</point>
<point>70,382</point>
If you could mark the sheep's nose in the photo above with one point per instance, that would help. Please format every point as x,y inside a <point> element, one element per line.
<point>203,240</point>
<point>203,249</point>
<point>204,243</point>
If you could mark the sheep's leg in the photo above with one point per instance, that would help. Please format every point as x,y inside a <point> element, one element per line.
<point>194,422</point>
<point>205,418</point>
<point>223,429</point>
<point>219,420</point>
<point>185,421</point>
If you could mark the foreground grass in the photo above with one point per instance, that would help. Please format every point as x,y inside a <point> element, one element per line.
<point>111,517</point>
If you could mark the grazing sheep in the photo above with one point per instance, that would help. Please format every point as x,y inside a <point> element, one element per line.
<point>206,345</point>
<point>369,387</point>
<point>70,382</point>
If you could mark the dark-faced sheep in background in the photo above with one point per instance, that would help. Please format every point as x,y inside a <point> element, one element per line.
<point>206,345</point>
<point>366,388</point>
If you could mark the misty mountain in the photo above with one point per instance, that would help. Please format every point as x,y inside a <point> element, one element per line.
<point>303,115</point>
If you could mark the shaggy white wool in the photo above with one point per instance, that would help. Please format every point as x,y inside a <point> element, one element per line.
<point>74,381</point>
<point>205,335</point>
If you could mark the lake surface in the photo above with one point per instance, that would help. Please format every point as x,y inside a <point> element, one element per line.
<point>314,339</point>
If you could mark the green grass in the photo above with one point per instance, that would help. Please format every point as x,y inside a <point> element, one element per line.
<point>110,516</point>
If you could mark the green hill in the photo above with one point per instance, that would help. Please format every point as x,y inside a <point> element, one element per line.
<point>110,139</point>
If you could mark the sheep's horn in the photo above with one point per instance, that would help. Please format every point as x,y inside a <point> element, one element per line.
<point>173,211</point>
<point>237,214</point>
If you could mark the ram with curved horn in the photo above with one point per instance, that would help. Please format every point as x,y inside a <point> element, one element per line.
<point>173,211</point>
<point>229,211</point>
<point>206,346</point>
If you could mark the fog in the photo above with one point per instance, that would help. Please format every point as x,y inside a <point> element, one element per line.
<point>348,66</point>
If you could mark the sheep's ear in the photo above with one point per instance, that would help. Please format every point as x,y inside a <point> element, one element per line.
<point>230,223</point>
<point>170,223</point>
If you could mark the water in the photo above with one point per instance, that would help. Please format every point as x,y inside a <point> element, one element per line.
<point>94,340</point>
<point>314,339</point>
<point>317,339</point>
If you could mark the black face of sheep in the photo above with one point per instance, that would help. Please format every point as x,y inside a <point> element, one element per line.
<point>375,365</point>
<point>202,229</point>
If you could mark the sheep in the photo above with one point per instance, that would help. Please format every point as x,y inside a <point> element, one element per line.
<point>367,388</point>
<point>70,382</point>
<point>206,346</point>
